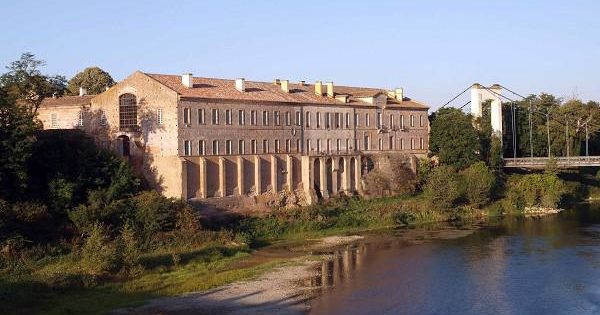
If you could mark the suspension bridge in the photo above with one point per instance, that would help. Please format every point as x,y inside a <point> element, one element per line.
<point>480,94</point>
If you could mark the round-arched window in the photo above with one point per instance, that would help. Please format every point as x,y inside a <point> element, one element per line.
<point>128,112</point>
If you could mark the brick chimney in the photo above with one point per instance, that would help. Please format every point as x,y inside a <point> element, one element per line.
<point>187,80</point>
<point>319,88</point>
<point>399,94</point>
<point>330,91</point>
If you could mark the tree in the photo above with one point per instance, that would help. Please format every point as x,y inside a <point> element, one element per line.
<point>442,187</point>
<point>453,138</point>
<point>93,79</point>
<point>25,82</point>
<point>478,182</point>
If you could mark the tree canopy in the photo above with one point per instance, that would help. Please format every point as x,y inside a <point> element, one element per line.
<point>453,138</point>
<point>93,79</point>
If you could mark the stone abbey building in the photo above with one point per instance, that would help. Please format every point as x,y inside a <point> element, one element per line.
<point>195,137</point>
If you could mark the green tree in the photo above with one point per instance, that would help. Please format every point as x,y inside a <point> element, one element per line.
<point>25,82</point>
<point>99,253</point>
<point>453,138</point>
<point>478,182</point>
<point>93,79</point>
<point>442,187</point>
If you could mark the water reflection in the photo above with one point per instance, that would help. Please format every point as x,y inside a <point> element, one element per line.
<point>518,266</point>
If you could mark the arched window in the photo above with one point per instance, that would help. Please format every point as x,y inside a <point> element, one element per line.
<point>128,112</point>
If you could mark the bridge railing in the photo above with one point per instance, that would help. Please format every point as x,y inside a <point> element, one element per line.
<point>539,162</point>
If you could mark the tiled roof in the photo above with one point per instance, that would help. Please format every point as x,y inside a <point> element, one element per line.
<point>211,88</point>
<point>67,101</point>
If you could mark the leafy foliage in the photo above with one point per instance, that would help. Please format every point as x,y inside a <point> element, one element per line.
<point>442,187</point>
<point>93,79</point>
<point>453,138</point>
<point>479,181</point>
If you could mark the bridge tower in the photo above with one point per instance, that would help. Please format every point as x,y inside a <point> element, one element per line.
<point>480,94</point>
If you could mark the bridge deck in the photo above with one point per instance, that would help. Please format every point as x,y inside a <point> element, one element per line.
<point>562,162</point>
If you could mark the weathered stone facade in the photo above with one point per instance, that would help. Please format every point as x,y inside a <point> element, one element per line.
<point>206,138</point>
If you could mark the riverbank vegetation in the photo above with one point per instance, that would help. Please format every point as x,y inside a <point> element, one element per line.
<point>80,232</point>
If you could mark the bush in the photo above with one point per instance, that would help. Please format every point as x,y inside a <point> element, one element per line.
<point>478,181</point>
<point>442,187</point>
<point>536,190</point>
<point>99,254</point>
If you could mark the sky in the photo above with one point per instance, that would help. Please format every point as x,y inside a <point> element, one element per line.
<point>433,49</point>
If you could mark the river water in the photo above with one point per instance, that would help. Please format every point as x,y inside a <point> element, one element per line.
<point>515,266</point>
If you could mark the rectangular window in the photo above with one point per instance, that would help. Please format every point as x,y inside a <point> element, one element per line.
<point>308,148</point>
<point>347,145</point>
<point>215,147</point>
<point>241,147</point>
<point>159,116</point>
<point>367,120</point>
<point>401,121</point>
<point>265,148</point>
<point>318,120</point>
<point>380,144</point>
<point>187,116</point>
<point>319,145</point>
<point>288,145</point>
<point>421,144</point>
<point>327,120</point>
<point>253,146</point>
<point>367,142</point>
<point>54,120</point>
<point>265,118</point>
<point>391,143</point>
<point>288,118</point>
<point>392,122</point>
<point>421,120</point>
<point>356,144</point>
<point>412,143</point>
<point>338,120</point>
<point>201,147</point>
<point>228,119</point>
<point>328,146</point>
<point>347,120</point>
<point>103,120</point>
<point>298,117</point>
<point>253,118</point>
<point>401,144</point>
<point>412,120</point>
<point>201,116</point>
<point>215,116</point>
<point>277,117</point>
<point>338,146</point>
<point>187,147</point>
<point>356,116</point>
<point>298,144</point>
<point>307,119</point>
<point>80,119</point>
<point>276,145</point>
<point>228,147</point>
<point>241,117</point>
<point>379,120</point>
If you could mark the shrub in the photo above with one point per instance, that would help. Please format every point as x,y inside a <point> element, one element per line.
<point>478,182</point>
<point>99,254</point>
<point>129,247</point>
<point>442,188</point>
<point>536,190</point>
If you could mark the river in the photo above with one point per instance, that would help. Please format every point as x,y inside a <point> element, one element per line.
<point>515,266</point>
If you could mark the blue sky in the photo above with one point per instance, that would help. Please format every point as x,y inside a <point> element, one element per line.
<point>434,49</point>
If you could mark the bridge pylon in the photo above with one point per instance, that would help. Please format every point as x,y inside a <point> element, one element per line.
<point>480,94</point>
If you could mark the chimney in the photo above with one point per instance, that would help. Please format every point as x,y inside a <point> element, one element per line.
<point>330,92</point>
<point>240,84</point>
<point>302,83</point>
<point>319,88</point>
<point>82,91</point>
<point>285,86</point>
<point>399,94</point>
<point>276,81</point>
<point>186,80</point>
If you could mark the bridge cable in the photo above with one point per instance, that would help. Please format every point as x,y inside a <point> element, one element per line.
<point>457,96</point>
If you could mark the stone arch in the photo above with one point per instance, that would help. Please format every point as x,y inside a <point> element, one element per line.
<point>329,175</point>
<point>317,178</point>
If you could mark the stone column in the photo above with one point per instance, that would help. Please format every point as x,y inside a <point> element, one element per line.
<point>202,177</point>
<point>274,174</point>
<point>289,175</point>
<point>307,179</point>
<point>222,191</point>
<point>240,175</point>
<point>357,174</point>
<point>323,178</point>
<point>257,182</point>
<point>346,176</point>
<point>334,176</point>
